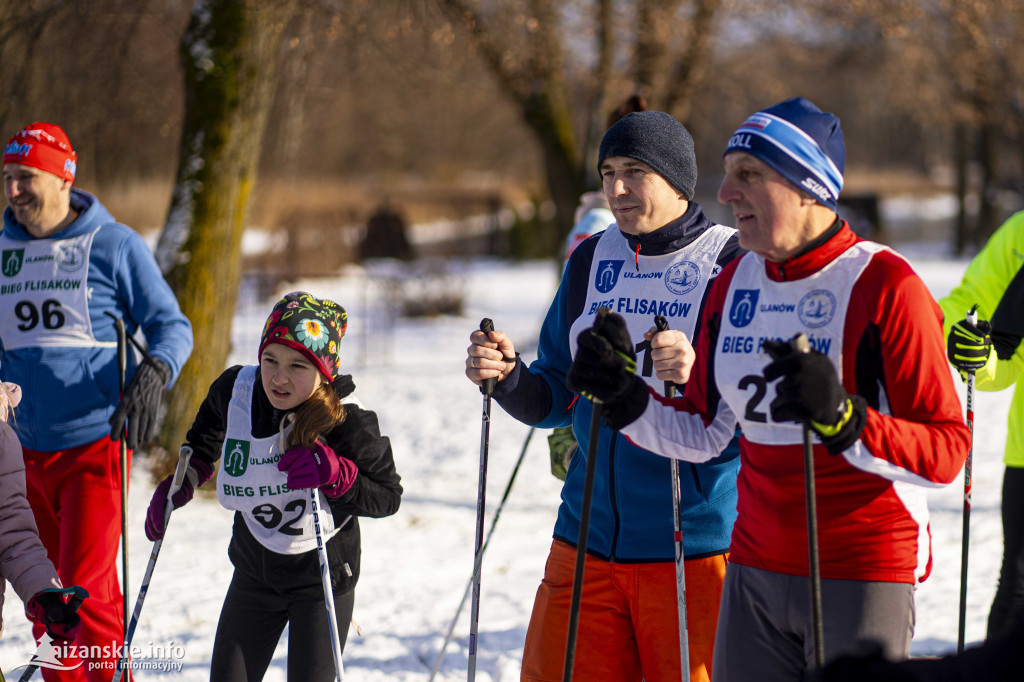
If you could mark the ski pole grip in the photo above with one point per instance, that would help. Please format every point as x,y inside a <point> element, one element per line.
<point>779,350</point>
<point>662,325</point>
<point>122,351</point>
<point>972,314</point>
<point>180,470</point>
<point>487,387</point>
<point>78,595</point>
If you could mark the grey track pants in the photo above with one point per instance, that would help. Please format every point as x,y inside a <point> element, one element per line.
<point>764,627</point>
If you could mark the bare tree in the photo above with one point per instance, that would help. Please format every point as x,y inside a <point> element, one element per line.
<point>947,69</point>
<point>523,43</point>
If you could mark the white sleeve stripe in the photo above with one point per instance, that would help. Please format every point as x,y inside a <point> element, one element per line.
<point>677,434</point>
<point>859,457</point>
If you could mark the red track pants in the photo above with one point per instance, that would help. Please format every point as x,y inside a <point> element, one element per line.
<point>75,495</point>
<point>629,623</point>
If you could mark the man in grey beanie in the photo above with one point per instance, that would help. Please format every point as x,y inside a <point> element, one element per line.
<point>658,259</point>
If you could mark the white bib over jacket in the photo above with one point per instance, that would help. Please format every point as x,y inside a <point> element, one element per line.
<point>45,280</point>
<point>248,481</point>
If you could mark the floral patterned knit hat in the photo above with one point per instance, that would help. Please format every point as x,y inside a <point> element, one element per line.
<point>312,326</point>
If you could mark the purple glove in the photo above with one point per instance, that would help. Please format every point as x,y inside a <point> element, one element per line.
<point>198,473</point>
<point>318,467</point>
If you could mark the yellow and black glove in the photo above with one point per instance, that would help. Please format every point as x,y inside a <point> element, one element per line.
<point>810,393</point>
<point>969,345</point>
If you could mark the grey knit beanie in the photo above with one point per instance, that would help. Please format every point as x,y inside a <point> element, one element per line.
<point>660,141</point>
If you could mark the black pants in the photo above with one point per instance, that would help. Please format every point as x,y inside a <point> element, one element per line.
<point>1010,593</point>
<point>251,623</point>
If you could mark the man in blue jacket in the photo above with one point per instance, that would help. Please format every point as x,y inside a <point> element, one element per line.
<point>64,264</point>
<point>658,259</point>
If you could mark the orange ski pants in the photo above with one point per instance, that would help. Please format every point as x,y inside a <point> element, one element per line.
<point>628,623</point>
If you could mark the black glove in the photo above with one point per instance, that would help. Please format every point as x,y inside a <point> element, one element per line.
<point>605,361</point>
<point>604,369</point>
<point>57,611</point>
<point>810,393</point>
<point>867,663</point>
<point>968,345</point>
<point>140,403</point>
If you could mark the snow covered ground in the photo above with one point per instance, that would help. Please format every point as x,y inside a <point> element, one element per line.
<point>416,563</point>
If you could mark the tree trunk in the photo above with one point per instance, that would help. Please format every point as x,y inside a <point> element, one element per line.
<point>689,72</point>
<point>960,161</point>
<point>229,53</point>
<point>988,212</point>
<point>654,28</point>
<point>598,116</point>
<point>537,85</point>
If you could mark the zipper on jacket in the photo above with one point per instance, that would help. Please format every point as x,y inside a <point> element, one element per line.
<point>611,494</point>
<point>696,478</point>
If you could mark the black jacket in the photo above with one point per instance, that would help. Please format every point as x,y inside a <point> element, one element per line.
<point>376,492</point>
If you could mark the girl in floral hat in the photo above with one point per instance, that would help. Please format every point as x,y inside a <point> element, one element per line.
<point>278,429</point>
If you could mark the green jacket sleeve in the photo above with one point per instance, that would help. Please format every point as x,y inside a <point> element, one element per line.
<point>995,282</point>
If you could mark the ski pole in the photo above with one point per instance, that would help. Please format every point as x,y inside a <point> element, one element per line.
<point>180,471</point>
<point>325,577</point>
<point>122,366</point>
<point>972,318</point>
<point>486,387</point>
<point>677,526</point>
<point>812,546</point>
<point>480,556</point>
<point>581,542</point>
<point>78,595</point>
<point>800,344</point>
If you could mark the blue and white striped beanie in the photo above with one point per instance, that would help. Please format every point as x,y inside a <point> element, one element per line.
<point>800,141</point>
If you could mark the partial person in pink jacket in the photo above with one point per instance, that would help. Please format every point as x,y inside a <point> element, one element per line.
<point>23,559</point>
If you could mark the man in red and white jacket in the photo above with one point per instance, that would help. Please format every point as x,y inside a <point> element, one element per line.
<point>874,387</point>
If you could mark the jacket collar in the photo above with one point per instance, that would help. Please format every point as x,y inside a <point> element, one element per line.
<point>815,255</point>
<point>673,236</point>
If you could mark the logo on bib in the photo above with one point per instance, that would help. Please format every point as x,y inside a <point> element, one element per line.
<point>607,275</point>
<point>682,278</point>
<point>816,308</point>
<point>744,303</point>
<point>12,260</point>
<point>70,257</point>
<point>236,456</point>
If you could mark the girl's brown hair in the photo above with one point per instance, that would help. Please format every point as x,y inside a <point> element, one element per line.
<point>321,412</point>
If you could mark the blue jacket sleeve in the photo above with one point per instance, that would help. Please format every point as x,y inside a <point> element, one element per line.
<point>151,305</point>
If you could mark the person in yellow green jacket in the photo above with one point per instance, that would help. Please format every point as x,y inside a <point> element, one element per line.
<point>994,281</point>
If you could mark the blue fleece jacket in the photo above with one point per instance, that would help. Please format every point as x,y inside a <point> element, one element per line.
<point>631,513</point>
<point>70,391</point>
